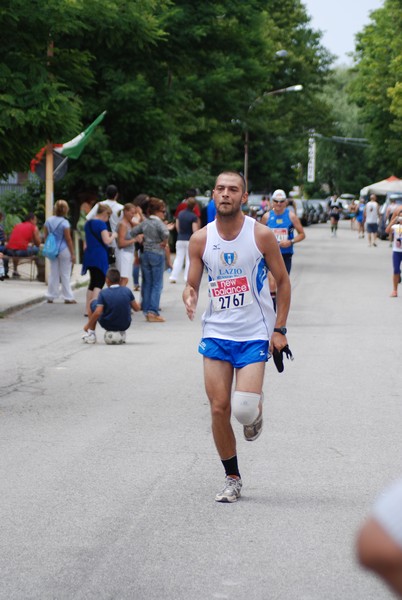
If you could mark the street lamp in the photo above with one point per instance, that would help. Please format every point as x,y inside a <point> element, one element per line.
<point>291,88</point>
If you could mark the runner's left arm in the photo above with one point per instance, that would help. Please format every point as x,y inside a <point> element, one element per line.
<point>268,245</point>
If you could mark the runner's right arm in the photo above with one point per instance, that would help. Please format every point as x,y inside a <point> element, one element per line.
<point>195,250</point>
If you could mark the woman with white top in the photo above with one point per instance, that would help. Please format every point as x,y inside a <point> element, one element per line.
<point>61,266</point>
<point>125,243</point>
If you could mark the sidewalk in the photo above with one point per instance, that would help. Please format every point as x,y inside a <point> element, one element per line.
<point>19,293</point>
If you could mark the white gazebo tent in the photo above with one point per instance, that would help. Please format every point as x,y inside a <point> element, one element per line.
<point>391,184</point>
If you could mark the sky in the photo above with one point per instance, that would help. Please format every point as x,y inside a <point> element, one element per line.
<point>340,21</point>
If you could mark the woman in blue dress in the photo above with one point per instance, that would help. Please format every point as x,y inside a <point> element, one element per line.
<point>98,238</point>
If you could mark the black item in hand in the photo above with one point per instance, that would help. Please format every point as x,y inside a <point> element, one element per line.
<point>278,357</point>
<point>111,256</point>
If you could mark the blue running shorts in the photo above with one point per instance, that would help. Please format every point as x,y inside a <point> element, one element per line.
<point>239,354</point>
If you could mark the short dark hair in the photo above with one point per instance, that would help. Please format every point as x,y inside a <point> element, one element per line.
<point>142,201</point>
<point>239,174</point>
<point>30,216</point>
<point>191,193</point>
<point>113,275</point>
<point>111,192</point>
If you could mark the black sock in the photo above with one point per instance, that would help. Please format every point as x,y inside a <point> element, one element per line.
<point>230,466</point>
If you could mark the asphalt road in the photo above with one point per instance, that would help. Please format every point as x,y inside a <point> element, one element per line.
<point>107,466</point>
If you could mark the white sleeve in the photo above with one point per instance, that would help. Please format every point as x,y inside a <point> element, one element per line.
<point>387,510</point>
<point>92,212</point>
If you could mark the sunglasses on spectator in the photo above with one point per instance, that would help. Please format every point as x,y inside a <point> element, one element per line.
<point>279,201</point>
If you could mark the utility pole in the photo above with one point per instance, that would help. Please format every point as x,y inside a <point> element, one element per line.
<point>286,90</point>
<point>49,181</point>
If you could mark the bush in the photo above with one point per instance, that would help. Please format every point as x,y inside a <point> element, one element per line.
<point>16,205</point>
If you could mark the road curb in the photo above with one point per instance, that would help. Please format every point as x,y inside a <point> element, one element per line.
<point>37,300</point>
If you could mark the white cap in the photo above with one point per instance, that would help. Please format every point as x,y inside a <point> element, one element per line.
<point>279,195</point>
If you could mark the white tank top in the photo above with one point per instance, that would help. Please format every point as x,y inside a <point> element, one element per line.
<point>237,317</point>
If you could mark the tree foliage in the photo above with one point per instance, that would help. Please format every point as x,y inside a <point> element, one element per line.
<point>172,75</point>
<point>342,154</point>
<point>377,88</point>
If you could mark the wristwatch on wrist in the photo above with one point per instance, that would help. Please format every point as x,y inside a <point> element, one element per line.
<point>281,330</point>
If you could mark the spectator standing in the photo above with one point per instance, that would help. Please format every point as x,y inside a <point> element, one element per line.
<point>3,247</point>
<point>141,201</point>
<point>371,214</point>
<point>186,224</point>
<point>125,243</point>
<point>360,218</point>
<point>61,266</point>
<point>112,195</point>
<point>183,204</point>
<point>24,241</point>
<point>85,208</point>
<point>98,239</point>
<point>153,258</point>
<point>264,204</point>
<point>211,210</point>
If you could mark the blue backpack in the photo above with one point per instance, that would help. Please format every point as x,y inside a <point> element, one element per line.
<point>51,249</point>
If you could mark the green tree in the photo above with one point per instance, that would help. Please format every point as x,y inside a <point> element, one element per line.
<point>37,98</point>
<point>341,164</point>
<point>377,88</point>
<point>48,69</point>
<point>172,76</point>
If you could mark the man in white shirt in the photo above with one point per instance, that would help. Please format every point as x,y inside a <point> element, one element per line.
<point>112,195</point>
<point>239,323</point>
<point>371,213</point>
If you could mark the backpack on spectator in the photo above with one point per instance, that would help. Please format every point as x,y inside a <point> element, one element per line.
<point>50,249</point>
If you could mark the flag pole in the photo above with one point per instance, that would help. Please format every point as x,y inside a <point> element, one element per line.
<point>49,183</point>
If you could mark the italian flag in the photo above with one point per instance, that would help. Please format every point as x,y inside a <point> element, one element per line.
<point>71,149</point>
<point>74,147</point>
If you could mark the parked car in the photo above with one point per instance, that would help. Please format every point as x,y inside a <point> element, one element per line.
<point>312,215</point>
<point>390,197</point>
<point>320,207</point>
<point>302,211</point>
<point>253,206</point>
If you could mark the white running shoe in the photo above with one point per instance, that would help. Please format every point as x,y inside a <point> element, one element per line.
<point>89,337</point>
<point>231,491</point>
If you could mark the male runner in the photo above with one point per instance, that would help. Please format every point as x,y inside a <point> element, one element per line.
<point>283,223</point>
<point>240,322</point>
